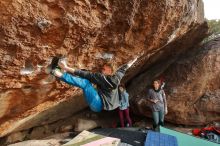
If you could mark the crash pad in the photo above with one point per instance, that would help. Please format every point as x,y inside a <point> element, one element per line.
<point>128,136</point>
<point>160,139</point>
<point>187,140</point>
<point>87,138</point>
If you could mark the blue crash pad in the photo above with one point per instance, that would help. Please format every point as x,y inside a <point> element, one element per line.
<point>160,139</point>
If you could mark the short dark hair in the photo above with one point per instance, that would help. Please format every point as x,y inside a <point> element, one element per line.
<point>156,80</point>
<point>122,85</point>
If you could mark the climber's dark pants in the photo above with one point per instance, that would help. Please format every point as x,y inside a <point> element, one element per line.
<point>91,95</point>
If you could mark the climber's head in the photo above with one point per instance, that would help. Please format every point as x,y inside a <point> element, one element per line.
<point>107,69</point>
<point>122,87</point>
<point>156,84</point>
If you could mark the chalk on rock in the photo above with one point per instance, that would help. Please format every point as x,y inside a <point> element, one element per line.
<point>71,18</point>
<point>28,69</point>
<point>44,24</point>
<point>105,56</point>
<point>25,71</point>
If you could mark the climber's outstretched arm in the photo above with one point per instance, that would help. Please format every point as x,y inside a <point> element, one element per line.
<point>122,69</point>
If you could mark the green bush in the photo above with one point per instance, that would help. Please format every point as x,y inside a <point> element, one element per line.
<point>214,27</point>
<point>214,30</point>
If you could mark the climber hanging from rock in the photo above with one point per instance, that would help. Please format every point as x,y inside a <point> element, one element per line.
<point>106,95</point>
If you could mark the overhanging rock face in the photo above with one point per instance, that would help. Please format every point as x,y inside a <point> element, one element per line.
<point>193,86</point>
<point>88,32</point>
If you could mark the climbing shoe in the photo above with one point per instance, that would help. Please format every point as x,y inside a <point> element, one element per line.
<point>54,62</point>
<point>53,65</point>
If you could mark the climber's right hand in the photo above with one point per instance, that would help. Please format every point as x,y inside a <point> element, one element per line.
<point>155,101</point>
<point>130,63</point>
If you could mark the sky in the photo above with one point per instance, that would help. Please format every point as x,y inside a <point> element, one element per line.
<point>212,9</point>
